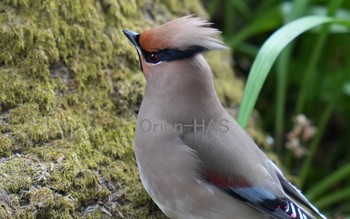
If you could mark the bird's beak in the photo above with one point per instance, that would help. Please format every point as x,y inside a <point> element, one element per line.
<point>133,37</point>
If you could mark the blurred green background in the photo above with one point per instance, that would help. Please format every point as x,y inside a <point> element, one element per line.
<point>305,101</point>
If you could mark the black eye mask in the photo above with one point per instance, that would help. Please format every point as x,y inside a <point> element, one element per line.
<point>168,55</point>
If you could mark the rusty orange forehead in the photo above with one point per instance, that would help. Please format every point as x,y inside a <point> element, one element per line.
<point>152,42</point>
<point>181,33</point>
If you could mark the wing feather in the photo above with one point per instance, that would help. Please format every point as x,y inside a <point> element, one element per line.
<point>294,192</point>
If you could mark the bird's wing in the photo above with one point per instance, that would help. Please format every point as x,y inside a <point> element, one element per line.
<point>232,162</point>
<point>264,200</point>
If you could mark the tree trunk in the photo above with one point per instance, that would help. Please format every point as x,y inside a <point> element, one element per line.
<point>70,87</point>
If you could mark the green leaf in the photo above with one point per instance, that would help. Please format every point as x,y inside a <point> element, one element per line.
<point>267,56</point>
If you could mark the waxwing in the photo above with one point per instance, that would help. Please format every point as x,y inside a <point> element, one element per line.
<point>194,160</point>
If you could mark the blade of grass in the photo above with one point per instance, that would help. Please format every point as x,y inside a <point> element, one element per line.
<point>213,7</point>
<point>309,84</point>
<point>266,5</point>
<point>333,198</point>
<point>281,93</point>
<point>310,73</point>
<point>283,63</point>
<point>299,7</point>
<point>316,141</point>
<point>266,58</point>
<point>242,7</point>
<point>310,70</point>
<point>322,187</point>
<point>265,23</point>
<point>229,22</point>
<point>248,49</point>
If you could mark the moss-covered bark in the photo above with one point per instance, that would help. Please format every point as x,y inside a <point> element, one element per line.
<point>69,88</point>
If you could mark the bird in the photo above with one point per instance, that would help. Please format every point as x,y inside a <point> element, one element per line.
<point>194,159</point>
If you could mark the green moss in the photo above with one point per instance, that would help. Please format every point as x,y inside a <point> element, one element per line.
<point>69,87</point>
<point>41,199</point>
<point>16,173</point>
<point>5,146</point>
<point>6,211</point>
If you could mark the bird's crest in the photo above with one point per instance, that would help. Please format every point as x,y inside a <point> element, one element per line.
<point>182,33</point>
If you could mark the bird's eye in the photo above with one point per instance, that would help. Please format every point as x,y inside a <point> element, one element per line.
<point>153,58</point>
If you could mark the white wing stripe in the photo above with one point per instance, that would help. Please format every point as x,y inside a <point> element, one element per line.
<point>299,212</point>
<point>293,209</point>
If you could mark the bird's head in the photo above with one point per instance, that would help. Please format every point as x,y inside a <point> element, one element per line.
<point>167,47</point>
